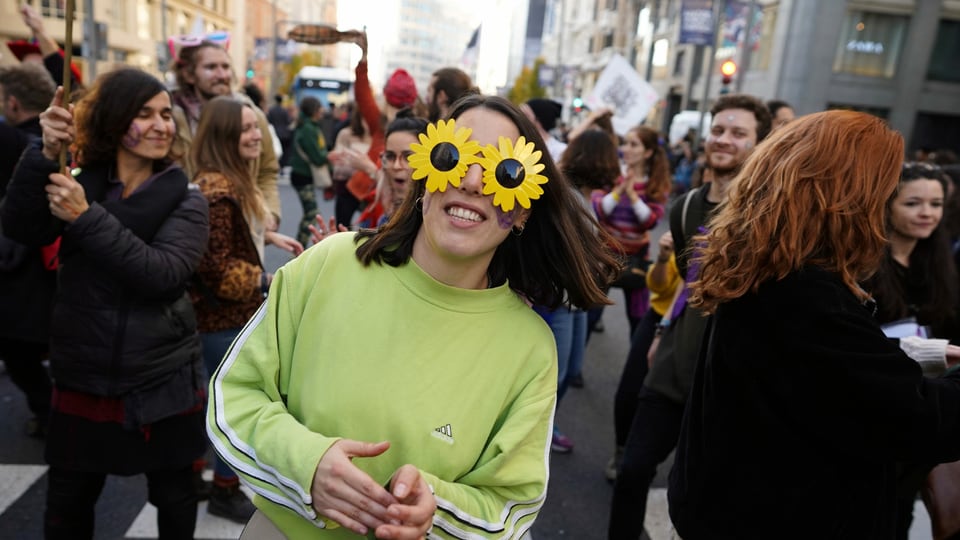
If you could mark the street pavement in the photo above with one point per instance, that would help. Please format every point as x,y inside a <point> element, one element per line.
<point>578,497</point>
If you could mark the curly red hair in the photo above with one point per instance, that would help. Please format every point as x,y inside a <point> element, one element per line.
<point>814,193</point>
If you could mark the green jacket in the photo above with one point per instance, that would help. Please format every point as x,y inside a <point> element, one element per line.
<point>308,140</point>
<point>436,370</point>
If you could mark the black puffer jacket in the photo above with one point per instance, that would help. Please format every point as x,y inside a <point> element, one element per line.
<point>121,323</point>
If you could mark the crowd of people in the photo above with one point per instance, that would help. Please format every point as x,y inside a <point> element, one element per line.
<point>794,334</point>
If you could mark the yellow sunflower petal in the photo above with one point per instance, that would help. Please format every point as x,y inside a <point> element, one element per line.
<point>504,199</point>
<point>522,198</point>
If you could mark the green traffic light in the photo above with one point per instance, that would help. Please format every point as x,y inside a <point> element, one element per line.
<point>249,73</point>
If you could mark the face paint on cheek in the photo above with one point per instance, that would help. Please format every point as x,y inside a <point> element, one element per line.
<point>132,137</point>
<point>747,145</point>
<point>506,219</point>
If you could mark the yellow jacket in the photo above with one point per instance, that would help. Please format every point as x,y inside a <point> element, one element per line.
<point>662,292</point>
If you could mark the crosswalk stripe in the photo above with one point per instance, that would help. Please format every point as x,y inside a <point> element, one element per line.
<point>17,479</point>
<point>657,521</point>
<point>208,527</point>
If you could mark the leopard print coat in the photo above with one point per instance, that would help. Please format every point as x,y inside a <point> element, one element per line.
<point>226,288</point>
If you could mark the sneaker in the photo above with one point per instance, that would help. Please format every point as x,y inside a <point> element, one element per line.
<point>230,503</point>
<point>610,471</point>
<point>577,381</point>
<point>561,444</point>
<point>37,427</point>
<point>200,486</point>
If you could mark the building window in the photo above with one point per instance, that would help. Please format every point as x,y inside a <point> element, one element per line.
<point>944,62</point>
<point>870,44</point>
<point>53,8</point>
<point>608,40</point>
<point>678,63</point>
<point>879,112</point>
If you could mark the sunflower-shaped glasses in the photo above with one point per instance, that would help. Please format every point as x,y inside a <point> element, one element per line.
<point>511,173</point>
<point>443,155</point>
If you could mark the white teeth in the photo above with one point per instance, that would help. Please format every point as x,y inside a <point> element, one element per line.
<point>463,213</point>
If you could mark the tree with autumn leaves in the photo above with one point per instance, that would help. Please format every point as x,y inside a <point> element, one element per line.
<point>527,84</point>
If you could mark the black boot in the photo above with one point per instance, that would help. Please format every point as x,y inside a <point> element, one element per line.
<point>230,503</point>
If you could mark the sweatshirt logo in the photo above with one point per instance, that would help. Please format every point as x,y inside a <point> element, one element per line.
<point>444,433</point>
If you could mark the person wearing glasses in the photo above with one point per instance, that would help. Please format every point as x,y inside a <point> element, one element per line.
<point>393,179</point>
<point>430,403</point>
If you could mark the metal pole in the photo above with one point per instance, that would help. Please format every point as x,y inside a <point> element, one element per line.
<point>163,20</point>
<point>274,82</point>
<point>747,48</point>
<point>90,36</point>
<point>708,74</point>
<point>558,70</point>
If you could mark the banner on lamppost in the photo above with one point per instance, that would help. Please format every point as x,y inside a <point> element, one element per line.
<point>696,22</point>
<point>623,90</point>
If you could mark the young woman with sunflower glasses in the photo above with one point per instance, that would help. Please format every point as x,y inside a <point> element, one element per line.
<point>441,361</point>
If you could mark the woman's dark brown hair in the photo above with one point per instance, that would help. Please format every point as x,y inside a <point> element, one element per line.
<point>591,160</point>
<point>104,114</point>
<point>557,259</point>
<point>931,260</point>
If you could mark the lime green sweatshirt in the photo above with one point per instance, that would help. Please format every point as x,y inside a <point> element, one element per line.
<point>461,382</point>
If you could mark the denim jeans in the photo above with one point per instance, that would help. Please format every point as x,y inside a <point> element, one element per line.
<point>570,332</point>
<point>215,345</point>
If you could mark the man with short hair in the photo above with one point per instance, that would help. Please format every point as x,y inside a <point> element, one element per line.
<point>781,112</point>
<point>544,113</point>
<point>203,73</point>
<point>446,86</point>
<point>739,123</point>
<point>27,280</point>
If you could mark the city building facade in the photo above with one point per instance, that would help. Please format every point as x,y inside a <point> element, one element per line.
<point>898,59</point>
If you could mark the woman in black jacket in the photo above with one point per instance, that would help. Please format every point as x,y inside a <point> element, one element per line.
<point>798,393</point>
<point>124,350</point>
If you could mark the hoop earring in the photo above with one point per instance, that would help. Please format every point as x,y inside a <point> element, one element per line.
<point>518,230</point>
<point>418,204</point>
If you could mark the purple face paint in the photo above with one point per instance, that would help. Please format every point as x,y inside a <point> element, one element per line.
<point>506,219</point>
<point>132,137</point>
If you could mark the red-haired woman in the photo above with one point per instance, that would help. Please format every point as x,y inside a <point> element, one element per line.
<point>634,206</point>
<point>798,392</point>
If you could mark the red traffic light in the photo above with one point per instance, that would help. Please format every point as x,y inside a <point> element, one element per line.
<point>728,68</point>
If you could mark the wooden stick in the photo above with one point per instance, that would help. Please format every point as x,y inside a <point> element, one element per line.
<point>67,73</point>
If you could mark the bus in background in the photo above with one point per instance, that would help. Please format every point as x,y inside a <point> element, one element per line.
<point>330,85</point>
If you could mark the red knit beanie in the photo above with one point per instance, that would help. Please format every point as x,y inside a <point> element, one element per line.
<point>400,90</point>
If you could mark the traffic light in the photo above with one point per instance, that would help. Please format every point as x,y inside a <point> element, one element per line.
<point>250,73</point>
<point>727,69</point>
<point>577,104</point>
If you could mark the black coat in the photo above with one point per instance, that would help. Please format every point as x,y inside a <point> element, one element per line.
<point>26,285</point>
<point>799,411</point>
<point>122,324</point>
